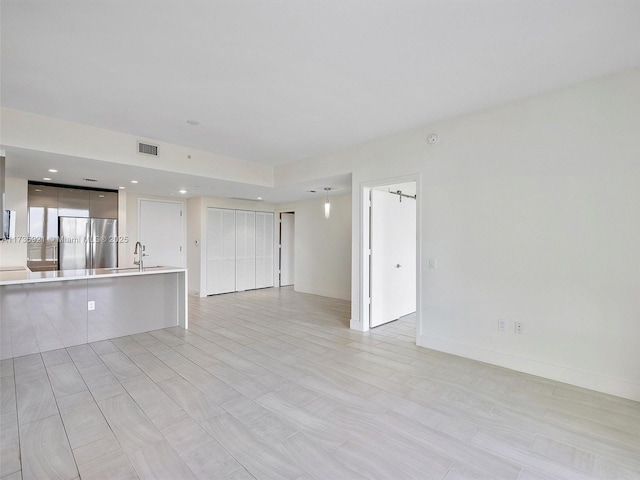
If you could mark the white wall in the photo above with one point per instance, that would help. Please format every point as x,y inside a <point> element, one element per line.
<point>46,134</point>
<point>532,210</point>
<point>322,247</point>
<point>13,252</point>
<point>195,252</point>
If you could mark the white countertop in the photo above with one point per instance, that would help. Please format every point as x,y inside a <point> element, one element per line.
<point>26,276</point>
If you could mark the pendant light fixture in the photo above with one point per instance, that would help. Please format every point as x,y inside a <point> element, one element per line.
<point>327,205</point>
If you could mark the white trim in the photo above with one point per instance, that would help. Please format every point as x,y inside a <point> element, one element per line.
<point>590,380</point>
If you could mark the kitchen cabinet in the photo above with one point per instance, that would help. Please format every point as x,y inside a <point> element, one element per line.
<point>73,202</point>
<point>42,227</point>
<point>43,311</point>
<point>103,204</point>
<point>46,204</point>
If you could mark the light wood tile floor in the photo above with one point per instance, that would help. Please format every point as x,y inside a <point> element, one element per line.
<point>273,384</point>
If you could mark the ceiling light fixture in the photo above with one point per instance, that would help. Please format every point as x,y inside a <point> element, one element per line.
<point>259,198</point>
<point>134,181</point>
<point>182,191</point>
<point>121,188</point>
<point>46,178</point>
<point>53,170</point>
<point>327,204</point>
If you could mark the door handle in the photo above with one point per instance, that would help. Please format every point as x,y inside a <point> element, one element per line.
<point>398,265</point>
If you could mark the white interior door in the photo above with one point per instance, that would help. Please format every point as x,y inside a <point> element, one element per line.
<point>393,257</point>
<point>287,248</point>
<point>221,251</point>
<point>161,232</point>
<point>245,250</point>
<point>264,249</point>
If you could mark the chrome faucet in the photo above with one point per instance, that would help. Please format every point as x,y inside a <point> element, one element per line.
<point>139,250</point>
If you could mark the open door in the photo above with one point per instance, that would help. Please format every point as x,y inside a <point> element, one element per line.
<point>393,257</point>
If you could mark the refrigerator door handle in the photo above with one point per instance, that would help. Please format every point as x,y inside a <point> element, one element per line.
<point>88,246</point>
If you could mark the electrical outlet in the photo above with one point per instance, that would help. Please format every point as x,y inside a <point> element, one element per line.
<point>502,325</point>
<point>518,328</point>
<point>91,305</point>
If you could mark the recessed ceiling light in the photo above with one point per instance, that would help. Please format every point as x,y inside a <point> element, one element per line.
<point>182,191</point>
<point>46,178</point>
<point>259,198</point>
<point>134,181</point>
<point>121,188</point>
<point>53,170</point>
<point>193,122</point>
<point>101,196</point>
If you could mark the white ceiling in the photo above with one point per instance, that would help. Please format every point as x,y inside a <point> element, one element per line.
<point>74,170</point>
<point>276,81</point>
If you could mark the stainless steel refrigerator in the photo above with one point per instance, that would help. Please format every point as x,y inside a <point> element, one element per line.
<point>87,243</point>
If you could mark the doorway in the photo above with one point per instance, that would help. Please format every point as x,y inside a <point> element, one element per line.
<point>390,246</point>
<point>287,249</point>
<point>160,227</point>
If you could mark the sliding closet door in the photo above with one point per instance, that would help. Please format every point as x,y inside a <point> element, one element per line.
<point>221,251</point>
<point>245,250</point>
<point>264,249</point>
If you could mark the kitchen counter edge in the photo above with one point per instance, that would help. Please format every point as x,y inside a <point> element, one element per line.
<point>25,276</point>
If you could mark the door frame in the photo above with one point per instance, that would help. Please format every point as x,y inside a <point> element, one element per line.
<point>279,247</point>
<point>183,236</point>
<point>365,242</point>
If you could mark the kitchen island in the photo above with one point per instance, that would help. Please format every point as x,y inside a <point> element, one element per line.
<point>43,311</point>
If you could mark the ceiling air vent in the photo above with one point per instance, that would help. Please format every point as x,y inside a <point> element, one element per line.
<point>148,149</point>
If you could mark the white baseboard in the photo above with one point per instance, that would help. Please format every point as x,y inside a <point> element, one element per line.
<point>592,381</point>
<point>356,325</point>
